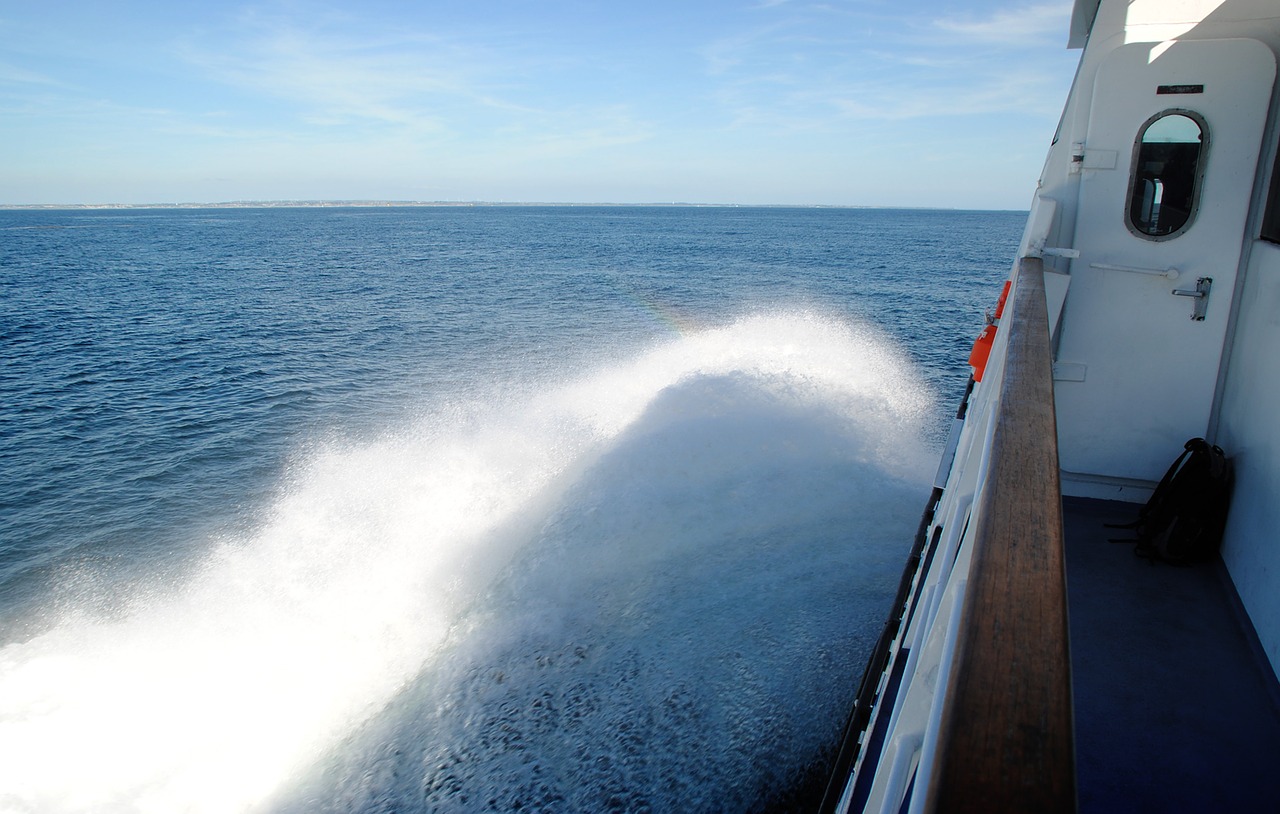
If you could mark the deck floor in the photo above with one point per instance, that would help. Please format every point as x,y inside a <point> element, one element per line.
<point>1175,708</point>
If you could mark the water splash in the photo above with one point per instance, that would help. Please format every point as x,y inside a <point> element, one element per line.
<point>622,591</point>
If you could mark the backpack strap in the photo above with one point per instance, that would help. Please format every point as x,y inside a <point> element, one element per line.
<point>1188,448</point>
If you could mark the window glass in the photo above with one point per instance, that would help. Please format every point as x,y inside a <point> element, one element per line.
<point>1167,165</point>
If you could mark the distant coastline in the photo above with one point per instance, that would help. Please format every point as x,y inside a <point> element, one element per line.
<point>339,204</point>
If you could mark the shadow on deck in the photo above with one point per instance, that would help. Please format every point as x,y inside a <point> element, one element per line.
<point>1176,709</point>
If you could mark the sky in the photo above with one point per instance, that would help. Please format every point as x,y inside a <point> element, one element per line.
<point>932,103</point>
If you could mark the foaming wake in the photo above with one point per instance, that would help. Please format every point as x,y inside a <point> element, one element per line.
<point>632,590</point>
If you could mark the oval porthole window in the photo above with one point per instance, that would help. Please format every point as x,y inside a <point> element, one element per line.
<point>1168,162</point>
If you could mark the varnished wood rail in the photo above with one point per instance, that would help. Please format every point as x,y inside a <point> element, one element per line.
<point>1006,742</point>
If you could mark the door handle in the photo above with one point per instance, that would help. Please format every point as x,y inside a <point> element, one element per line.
<point>1201,295</point>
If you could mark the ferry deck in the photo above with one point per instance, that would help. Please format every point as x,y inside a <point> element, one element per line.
<point>1175,707</point>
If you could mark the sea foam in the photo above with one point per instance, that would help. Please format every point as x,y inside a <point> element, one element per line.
<point>647,586</point>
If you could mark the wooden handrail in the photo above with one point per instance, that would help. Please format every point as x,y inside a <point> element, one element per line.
<point>1006,742</point>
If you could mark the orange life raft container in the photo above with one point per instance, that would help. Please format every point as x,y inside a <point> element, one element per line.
<point>982,345</point>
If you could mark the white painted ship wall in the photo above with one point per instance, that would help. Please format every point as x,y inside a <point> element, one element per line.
<point>1249,431</point>
<point>1237,404</point>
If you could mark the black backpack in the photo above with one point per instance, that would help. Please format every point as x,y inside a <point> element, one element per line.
<point>1183,521</point>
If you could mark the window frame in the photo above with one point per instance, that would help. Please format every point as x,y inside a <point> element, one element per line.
<point>1197,183</point>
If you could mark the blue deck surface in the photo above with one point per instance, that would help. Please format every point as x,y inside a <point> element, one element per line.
<point>1176,709</point>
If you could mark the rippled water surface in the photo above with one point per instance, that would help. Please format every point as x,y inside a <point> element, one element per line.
<point>454,509</point>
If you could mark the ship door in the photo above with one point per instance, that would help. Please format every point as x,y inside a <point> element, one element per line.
<point>1166,176</point>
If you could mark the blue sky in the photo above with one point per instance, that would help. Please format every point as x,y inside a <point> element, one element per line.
<point>841,102</point>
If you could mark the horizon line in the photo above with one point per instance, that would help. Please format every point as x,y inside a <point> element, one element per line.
<point>375,203</point>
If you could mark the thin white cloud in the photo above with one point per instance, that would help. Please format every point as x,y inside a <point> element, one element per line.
<point>805,73</point>
<point>1021,92</point>
<point>14,75</point>
<point>1019,26</point>
<point>413,88</point>
<point>334,81</point>
<point>728,53</point>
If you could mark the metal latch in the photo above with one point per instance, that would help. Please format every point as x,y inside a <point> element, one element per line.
<point>1201,294</point>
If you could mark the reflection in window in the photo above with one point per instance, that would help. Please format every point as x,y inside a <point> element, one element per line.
<point>1167,166</point>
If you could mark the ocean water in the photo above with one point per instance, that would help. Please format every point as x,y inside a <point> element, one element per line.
<point>461,508</point>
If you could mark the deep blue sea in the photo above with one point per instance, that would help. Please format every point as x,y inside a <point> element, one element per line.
<point>461,508</point>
